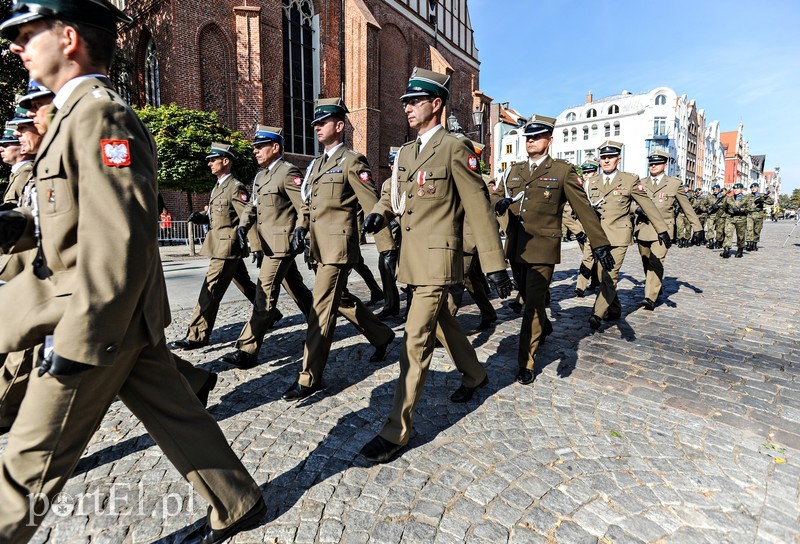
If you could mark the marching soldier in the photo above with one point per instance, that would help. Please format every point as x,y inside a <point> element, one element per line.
<point>275,210</point>
<point>435,185</point>
<point>387,257</point>
<point>715,224</point>
<point>684,224</point>
<point>539,188</point>
<point>587,272</point>
<point>738,207</point>
<point>755,221</point>
<point>227,202</point>
<point>335,185</point>
<point>96,294</point>
<point>666,193</point>
<point>612,193</point>
<point>19,160</point>
<point>701,211</point>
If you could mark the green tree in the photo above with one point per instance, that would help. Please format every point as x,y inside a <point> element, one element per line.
<point>13,79</point>
<point>183,137</point>
<point>794,200</point>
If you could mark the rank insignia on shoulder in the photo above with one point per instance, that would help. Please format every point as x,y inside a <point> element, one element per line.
<point>365,176</point>
<point>298,181</point>
<point>116,153</point>
<point>472,163</point>
<point>244,197</point>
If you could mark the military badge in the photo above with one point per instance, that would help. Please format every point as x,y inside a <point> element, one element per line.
<point>298,181</point>
<point>421,192</point>
<point>640,187</point>
<point>431,189</point>
<point>364,176</point>
<point>472,163</point>
<point>421,178</point>
<point>244,197</point>
<point>116,153</point>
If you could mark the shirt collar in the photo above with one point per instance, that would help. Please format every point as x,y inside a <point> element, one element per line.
<point>333,150</point>
<point>609,175</point>
<point>656,179</point>
<point>272,164</point>
<point>69,87</point>
<point>425,138</point>
<point>537,163</point>
<point>17,166</point>
<point>222,180</point>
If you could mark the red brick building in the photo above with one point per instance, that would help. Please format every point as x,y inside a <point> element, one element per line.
<point>267,61</point>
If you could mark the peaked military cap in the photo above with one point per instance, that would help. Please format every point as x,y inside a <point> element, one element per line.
<point>610,148</point>
<point>427,83</point>
<point>715,186</point>
<point>8,138</point>
<point>219,151</point>
<point>684,185</point>
<point>538,124</point>
<point>738,186</point>
<point>754,184</point>
<point>393,154</point>
<point>268,134</point>
<point>100,14</point>
<point>658,157</point>
<point>325,107</point>
<point>35,90</point>
<point>20,120</point>
<point>590,166</point>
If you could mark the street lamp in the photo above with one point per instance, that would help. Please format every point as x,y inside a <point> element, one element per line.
<point>477,120</point>
<point>452,123</point>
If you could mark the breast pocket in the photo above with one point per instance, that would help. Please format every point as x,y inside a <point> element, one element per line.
<point>54,192</point>
<point>431,183</point>
<point>331,185</point>
<point>549,191</point>
<point>268,197</point>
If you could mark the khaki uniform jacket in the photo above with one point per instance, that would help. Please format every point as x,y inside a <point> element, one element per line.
<point>545,192</point>
<point>666,197</point>
<point>275,207</point>
<point>102,287</point>
<point>432,226</point>
<point>17,182</point>
<point>616,209</point>
<point>225,206</point>
<point>337,187</point>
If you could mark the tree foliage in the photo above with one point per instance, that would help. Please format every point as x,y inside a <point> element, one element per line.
<point>794,200</point>
<point>183,137</point>
<point>13,78</point>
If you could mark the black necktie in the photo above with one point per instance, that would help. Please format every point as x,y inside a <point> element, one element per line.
<point>417,147</point>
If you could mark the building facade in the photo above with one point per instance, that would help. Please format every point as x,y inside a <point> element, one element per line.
<point>737,163</point>
<point>267,61</point>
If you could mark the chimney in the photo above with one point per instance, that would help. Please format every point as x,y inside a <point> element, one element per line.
<point>589,98</point>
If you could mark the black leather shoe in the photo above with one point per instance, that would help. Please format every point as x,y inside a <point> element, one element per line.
<point>380,351</point>
<point>525,376</point>
<point>240,359</point>
<point>379,450</point>
<point>739,253</point>
<point>612,315</point>
<point>726,253</point>
<point>298,392</point>
<point>4,430</point>
<point>648,304</point>
<point>185,343</point>
<point>206,535</point>
<point>464,393</point>
<point>595,321</point>
<point>278,317</point>
<point>210,383</point>
<point>486,323</point>
<point>388,312</point>
<point>375,298</point>
<point>579,293</point>
<point>755,246</point>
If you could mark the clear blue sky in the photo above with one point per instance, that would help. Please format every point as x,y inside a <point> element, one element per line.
<point>739,60</point>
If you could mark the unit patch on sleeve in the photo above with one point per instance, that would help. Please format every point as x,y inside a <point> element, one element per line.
<point>298,181</point>
<point>244,197</point>
<point>364,176</point>
<point>116,153</point>
<point>472,163</point>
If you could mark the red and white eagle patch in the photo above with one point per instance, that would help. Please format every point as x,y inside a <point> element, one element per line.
<point>640,187</point>
<point>472,163</point>
<point>298,181</point>
<point>244,197</point>
<point>365,176</point>
<point>116,153</point>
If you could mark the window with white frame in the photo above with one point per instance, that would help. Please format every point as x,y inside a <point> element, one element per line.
<point>298,76</point>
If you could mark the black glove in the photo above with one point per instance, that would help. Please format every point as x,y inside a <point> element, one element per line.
<point>603,256</point>
<point>241,237</point>
<point>389,259</point>
<point>198,218</point>
<point>501,282</point>
<point>394,224</point>
<point>4,207</point>
<point>59,366</point>
<point>372,223</point>
<point>12,225</point>
<point>641,217</point>
<point>298,242</point>
<point>258,258</point>
<point>581,238</point>
<point>664,238</point>
<point>502,205</point>
<point>698,238</point>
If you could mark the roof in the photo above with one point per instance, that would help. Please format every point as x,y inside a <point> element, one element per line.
<point>510,116</point>
<point>728,140</point>
<point>769,175</point>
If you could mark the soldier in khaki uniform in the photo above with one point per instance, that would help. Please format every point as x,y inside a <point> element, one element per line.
<point>587,273</point>
<point>275,210</point>
<point>387,257</point>
<point>684,226</point>
<point>755,221</point>
<point>435,185</point>
<point>612,193</point>
<point>666,193</point>
<point>98,298</point>
<point>539,188</point>
<point>738,207</point>
<point>227,202</point>
<point>335,185</point>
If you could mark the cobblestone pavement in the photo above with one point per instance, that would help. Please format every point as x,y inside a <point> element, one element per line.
<point>680,425</point>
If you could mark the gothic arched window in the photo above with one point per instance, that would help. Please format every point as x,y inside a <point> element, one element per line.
<point>298,76</point>
<point>152,87</point>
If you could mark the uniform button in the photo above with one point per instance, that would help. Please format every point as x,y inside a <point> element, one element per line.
<point>408,228</point>
<point>409,212</point>
<point>315,193</point>
<point>313,207</point>
<point>410,195</point>
<point>112,348</point>
<point>314,220</point>
<point>523,209</point>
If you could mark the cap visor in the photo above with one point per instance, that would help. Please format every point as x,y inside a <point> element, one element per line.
<point>320,119</point>
<point>416,94</point>
<point>9,30</point>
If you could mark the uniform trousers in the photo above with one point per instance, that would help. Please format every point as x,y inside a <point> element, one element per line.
<point>13,380</point>
<point>475,284</point>
<point>366,274</point>
<point>59,416</point>
<point>330,294</point>
<point>607,300</point>
<point>219,276</point>
<point>653,255</point>
<point>738,224</point>
<point>273,272</point>
<point>684,227</point>
<point>719,226</point>
<point>587,268</point>
<point>755,223</point>
<point>428,318</point>
<point>534,318</point>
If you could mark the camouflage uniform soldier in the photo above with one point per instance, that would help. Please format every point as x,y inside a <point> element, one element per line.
<point>715,223</point>
<point>737,207</point>
<point>684,227</point>
<point>755,221</point>
<point>701,209</point>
